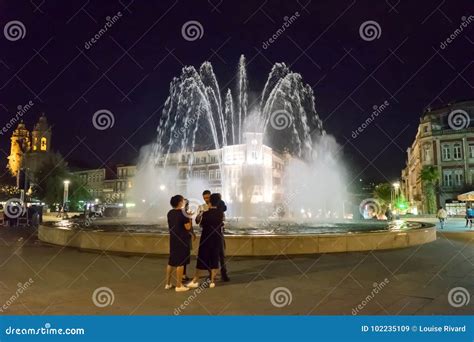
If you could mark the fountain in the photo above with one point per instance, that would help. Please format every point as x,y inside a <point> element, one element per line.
<point>279,172</point>
<point>269,151</point>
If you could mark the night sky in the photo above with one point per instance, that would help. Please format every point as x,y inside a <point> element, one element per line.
<point>128,70</point>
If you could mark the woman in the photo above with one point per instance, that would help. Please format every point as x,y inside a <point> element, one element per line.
<point>210,242</point>
<point>180,242</point>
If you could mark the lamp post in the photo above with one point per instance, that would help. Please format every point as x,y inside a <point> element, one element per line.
<point>65,197</point>
<point>396,187</point>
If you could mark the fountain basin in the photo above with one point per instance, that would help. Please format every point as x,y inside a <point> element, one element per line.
<point>241,244</point>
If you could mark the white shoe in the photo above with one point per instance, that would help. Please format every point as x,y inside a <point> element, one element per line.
<point>167,287</point>
<point>212,285</point>
<point>181,289</point>
<point>193,285</point>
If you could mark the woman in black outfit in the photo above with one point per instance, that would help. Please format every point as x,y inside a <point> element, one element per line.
<point>210,242</point>
<point>180,243</point>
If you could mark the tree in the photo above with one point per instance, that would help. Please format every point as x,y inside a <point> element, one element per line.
<point>49,179</point>
<point>383,192</point>
<point>429,177</point>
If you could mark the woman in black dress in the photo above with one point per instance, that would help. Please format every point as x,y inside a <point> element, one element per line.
<point>180,242</point>
<point>210,242</point>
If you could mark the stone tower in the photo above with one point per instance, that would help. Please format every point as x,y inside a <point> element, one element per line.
<point>20,144</point>
<point>41,136</point>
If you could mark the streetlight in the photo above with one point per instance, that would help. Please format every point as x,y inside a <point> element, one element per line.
<point>65,197</point>
<point>396,186</point>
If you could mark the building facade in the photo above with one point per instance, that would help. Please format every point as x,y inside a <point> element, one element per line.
<point>29,149</point>
<point>444,140</point>
<point>245,174</point>
<point>248,173</point>
<point>94,181</point>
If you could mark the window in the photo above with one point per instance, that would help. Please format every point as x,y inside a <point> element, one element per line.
<point>203,174</point>
<point>447,178</point>
<point>254,154</point>
<point>471,151</point>
<point>457,151</point>
<point>446,152</point>
<point>458,177</point>
<point>213,159</point>
<point>44,144</point>
<point>212,174</point>
<point>203,160</point>
<point>218,174</point>
<point>196,174</point>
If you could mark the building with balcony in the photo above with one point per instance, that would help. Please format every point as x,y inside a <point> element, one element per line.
<point>445,140</point>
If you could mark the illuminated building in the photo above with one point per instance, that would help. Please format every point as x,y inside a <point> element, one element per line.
<point>445,140</point>
<point>27,149</point>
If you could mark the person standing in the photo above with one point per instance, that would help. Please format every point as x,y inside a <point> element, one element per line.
<point>223,207</point>
<point>469,216</point>
<point>180,241</point>
<point>209,245</point>
<point>206,196</point>
<point>442,215</point>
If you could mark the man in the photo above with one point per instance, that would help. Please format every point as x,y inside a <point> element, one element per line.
<point>442,215</point>
<point>206,196</point>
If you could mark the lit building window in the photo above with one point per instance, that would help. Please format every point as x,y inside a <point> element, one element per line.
<point>471,151</point>
<point>44,144</point>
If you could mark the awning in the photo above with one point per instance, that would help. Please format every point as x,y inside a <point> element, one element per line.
<point>468,196</point>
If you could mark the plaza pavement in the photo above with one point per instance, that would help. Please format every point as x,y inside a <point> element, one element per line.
<point>418,280</point>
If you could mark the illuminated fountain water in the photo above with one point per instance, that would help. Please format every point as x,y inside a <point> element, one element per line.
<point>196,117</point>
<point>306,219</point>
